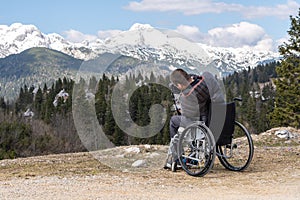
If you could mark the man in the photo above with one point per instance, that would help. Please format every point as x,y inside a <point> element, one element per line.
<point>197,92</point>
<point>196,95</point>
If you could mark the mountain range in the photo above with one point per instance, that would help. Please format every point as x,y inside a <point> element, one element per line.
<point>141,41</point>
<point>139,47</point>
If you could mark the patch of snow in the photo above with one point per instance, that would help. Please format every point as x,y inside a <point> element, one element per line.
<point>284,134</point>
<point>172,68</point>
<point>28,113</point>
<point>138,26</point>
<point>62,94</point>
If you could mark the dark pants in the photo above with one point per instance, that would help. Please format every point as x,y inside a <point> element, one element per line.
<point>177,121</point>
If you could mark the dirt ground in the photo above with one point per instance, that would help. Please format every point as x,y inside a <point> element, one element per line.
<point>274,173</point>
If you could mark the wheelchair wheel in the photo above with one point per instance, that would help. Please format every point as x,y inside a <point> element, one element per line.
<point>237,155</point>
<point>196,149</point>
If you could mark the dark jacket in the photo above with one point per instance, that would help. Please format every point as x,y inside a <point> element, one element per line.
<point>196,98</point>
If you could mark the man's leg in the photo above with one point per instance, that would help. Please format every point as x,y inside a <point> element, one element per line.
<point>174,125</point>
<point>175,122</point>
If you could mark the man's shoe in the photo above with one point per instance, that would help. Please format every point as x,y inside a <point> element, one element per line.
<point>168,165</point>
<point>178,164</point>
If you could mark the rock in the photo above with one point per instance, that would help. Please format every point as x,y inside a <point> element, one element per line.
<point>139,163</point>
<point>154,154</point>
<point>133,150</point>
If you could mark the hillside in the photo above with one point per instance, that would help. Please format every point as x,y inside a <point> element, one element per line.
<point>273,174</point>
<point>32,60</point>
<point>35,66</point>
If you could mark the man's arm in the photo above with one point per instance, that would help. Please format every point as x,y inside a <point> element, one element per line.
<point>202,92</point>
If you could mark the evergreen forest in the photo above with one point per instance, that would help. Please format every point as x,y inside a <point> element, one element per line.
<point>40,121</point>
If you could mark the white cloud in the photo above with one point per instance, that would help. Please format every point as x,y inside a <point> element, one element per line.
<point>192,7</point>
<point>243,34</point>
<point>184,6</point>
<point>281,11</point>
<point>108,33</point>
<point>282,40</point>
<point>76,36</point>
<point>265,44</point>
<point>239,34</point>
<point>191,32</point>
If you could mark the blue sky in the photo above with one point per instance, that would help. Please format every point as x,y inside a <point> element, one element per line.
<point>228,23</point>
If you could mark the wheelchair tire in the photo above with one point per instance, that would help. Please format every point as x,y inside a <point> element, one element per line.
<point>196,149</point>
<point>241,150</point>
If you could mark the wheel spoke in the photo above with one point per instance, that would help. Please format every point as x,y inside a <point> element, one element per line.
<point>238,155</point>
<point>197,150</point>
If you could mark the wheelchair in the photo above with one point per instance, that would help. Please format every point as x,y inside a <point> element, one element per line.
<point>196,147</point>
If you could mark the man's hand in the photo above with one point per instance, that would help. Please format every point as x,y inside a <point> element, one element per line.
<point>174,89</point>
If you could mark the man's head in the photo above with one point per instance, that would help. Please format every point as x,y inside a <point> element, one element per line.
<point>180,78</point>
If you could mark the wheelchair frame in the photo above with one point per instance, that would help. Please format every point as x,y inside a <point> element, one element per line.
<point>195,149</point>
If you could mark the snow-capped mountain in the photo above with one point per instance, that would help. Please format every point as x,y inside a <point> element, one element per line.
<point>18,37</point>
<point>141,41</point>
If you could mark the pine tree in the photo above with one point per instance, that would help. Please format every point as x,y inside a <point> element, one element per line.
<point>45,88</point>
<point>2,103</point>
<point>109,124</point>
<point>287,101</point>
<point>58,85</point>
<point>251,112</point>
<point>119,137</point>
<point>100,102</point>
<point>38,101</point>
<point>152,78</point>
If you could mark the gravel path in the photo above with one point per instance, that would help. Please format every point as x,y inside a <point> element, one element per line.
<point>273,174</point>
<point>127,187</point>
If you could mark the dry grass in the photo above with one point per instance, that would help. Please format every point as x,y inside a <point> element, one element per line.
<point>273,173</point>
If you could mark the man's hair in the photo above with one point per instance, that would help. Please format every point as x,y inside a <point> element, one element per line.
<point>179,76</point>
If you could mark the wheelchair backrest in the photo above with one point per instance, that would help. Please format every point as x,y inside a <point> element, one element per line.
<point>221,122</point>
